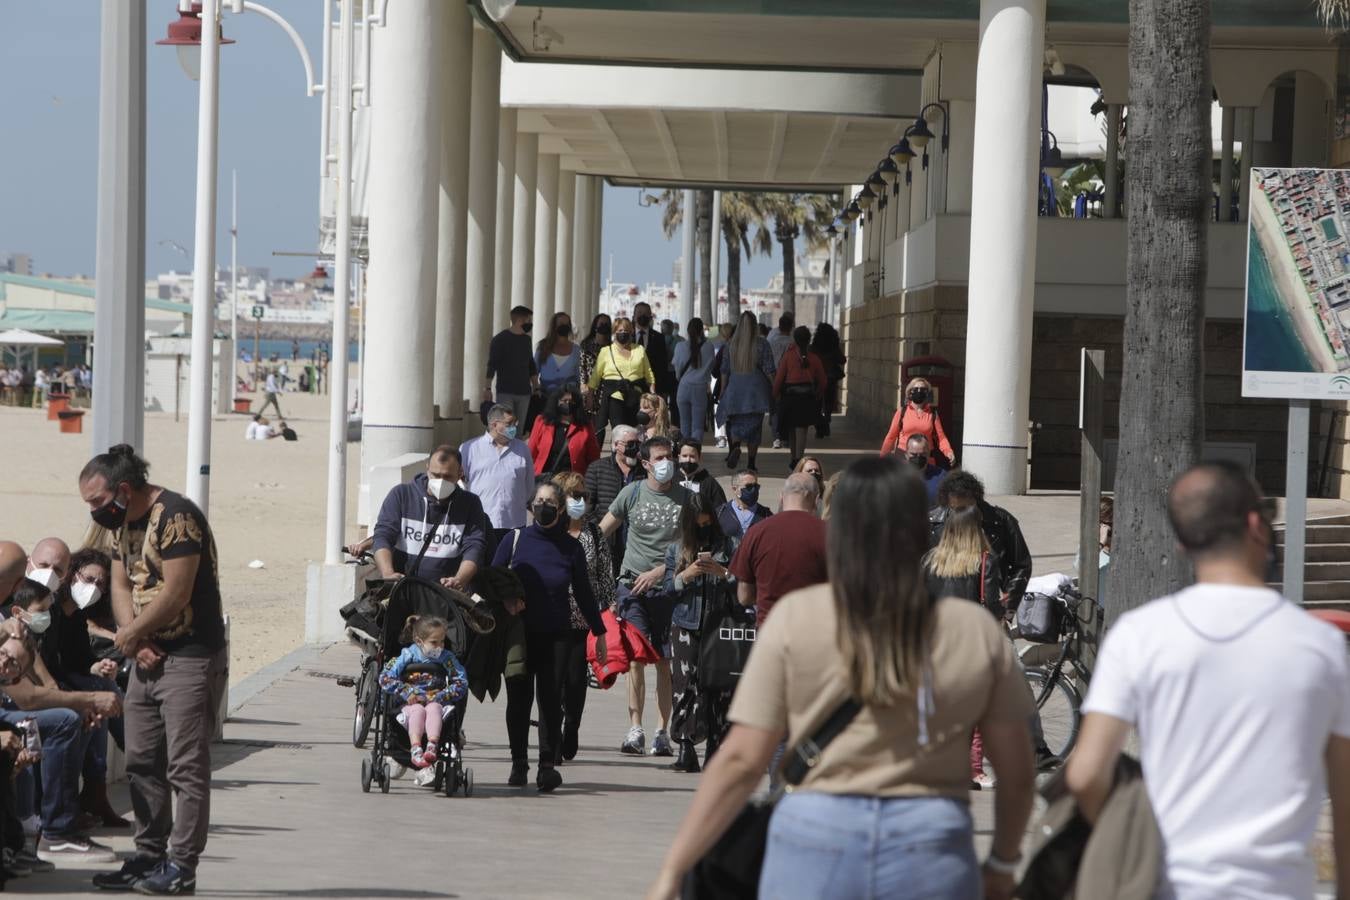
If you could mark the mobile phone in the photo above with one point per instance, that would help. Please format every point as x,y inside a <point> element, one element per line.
<point>705,554</point>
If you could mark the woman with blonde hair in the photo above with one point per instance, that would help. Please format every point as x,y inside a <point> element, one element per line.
<point>917,415</point>
<point>748,370</point>
<point>883,808</point>
<point>623,374</point>
<point>653,418</point>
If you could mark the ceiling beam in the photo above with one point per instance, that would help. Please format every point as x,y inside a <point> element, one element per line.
<point>719,122</point>
<point>668,143</point>
<point>780,122</point>
<point>607,132</point>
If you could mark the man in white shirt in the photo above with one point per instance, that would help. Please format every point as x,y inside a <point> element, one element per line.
<point>270,391</point>
<point>499,469</point>
<point>259,429</point>
<point>1242,704</point>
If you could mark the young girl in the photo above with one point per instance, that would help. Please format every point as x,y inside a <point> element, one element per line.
<point>424,695</point>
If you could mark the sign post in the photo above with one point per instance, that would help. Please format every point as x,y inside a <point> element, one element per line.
<point>1091,400</point>
<point>1296,500</point>
<point>257,332</point>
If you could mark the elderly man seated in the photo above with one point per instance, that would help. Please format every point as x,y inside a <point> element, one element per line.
<point>61,716</point>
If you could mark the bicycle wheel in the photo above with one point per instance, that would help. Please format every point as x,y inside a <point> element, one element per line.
<point>1057,706</point>
<point>367,691</point>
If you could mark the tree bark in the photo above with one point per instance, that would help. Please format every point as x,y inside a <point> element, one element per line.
<point>704,236</point>
<point>733,276</point>
<point>1162,388</point>
<point>788,242</point>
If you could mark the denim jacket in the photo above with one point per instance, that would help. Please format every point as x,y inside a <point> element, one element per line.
<point>692,596</point>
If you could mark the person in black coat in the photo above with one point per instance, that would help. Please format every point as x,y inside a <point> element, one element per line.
<point>743,510</point>
<point>649,338</point>
<point>960,489</point>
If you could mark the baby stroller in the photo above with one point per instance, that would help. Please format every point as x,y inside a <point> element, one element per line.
<point>413,596</point>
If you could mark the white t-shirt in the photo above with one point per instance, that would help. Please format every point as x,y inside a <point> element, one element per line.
<point>1235,693</point>
<point>257,431</point>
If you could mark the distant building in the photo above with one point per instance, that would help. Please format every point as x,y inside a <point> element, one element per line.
<point>17,264</point>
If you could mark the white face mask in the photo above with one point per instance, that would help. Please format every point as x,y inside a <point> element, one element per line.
<point>85,594</point>
<point>46,577</point>
<point>576,508</point>
<point>440,488</point>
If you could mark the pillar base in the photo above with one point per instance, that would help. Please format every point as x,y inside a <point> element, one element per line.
<point>1002,469</point>
<point>328,588</point>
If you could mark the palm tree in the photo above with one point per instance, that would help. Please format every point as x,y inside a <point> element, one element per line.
<point>797,215</point>
<point>707,280</point>
<point>743,230</point>
<point>1162,387</point>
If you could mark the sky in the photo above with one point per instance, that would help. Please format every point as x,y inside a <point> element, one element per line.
<point>269,134</point>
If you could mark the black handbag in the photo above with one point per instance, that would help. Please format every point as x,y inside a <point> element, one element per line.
<point>725,642</point>
<point>730,869</point>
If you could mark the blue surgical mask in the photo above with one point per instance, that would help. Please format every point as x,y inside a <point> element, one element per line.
<point>39,622</point>
<point>511,432</point>
<point>663,470</point>
<point>576,508</point>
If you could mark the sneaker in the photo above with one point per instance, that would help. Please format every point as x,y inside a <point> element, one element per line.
<point>547,780</point>
<point>635,743</point>
<point>661,744</point>
<point>429,755</point>
<point>983,782</point>
<point>417,755</point>
<point>425,777</point>
<point>14,867</point>
<point>125,878</point>
<point>721,443</point>
<point>168,878</point>
<point>777,444</point>
<point>520,773</point>
<point>1046,760</point>
<point>75,847</point>
<point>28,860</point>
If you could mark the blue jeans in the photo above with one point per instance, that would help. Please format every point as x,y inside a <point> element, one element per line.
<point>692,400</point>
<point>95,767</point>
<point>64,741</point>
<point>859,848</point>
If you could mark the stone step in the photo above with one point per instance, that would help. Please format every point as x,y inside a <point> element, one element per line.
<point>1343,605</point>
<point>1322,534</point>
<point>1315,553</point>
<point>1316,572</point>
<point>1323,520</point>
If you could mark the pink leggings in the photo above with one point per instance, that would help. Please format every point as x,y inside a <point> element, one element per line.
<point>976,755</point>
<point>423,717</point>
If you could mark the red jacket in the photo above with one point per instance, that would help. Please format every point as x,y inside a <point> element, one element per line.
<point>791,371</point>
<point>911,420</point>
<point>624,645</point>
<point>581,445</point>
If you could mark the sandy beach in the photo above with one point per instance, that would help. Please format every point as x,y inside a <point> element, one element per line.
<point>267,503</point>
<point>1293,294</point>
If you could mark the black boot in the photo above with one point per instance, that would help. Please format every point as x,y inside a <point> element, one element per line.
<point>687,761</point>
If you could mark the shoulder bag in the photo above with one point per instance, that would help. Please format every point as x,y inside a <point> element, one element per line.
<point>725,641</point>
<point>730,869</point>
<point>1038,618</point>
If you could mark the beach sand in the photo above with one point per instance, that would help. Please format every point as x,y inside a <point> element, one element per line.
<point>1289,286</point>
<point>267,503</point>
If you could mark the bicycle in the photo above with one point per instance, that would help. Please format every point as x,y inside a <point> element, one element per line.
<point>1058,702</point>
<point>363,630</point>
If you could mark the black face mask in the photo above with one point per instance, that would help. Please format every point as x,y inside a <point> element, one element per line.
<point>110,515</point>
<point>545,514</point>
<point>624,337</point>
<point>918,462</point>
<point>564,409</point>
<point>750,495</point>
<point>643,419</point>
<point>564,330</point>
<point>919,395</point>
<point>628,453</point>
<point>705,535</point>
<point>527,327</point>
<point>644,321</point>
<point>689,467</point>
<point>604,329</point>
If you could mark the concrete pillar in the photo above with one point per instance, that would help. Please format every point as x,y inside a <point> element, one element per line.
<point>583,253</point>
<point>455,27</point>
<point>1110,207</point>
<point>545,234</point>
<point>1248,125</point>
<point>403,199</point>
<point>564,231</point>
<point>598,276</point>
<point>522,225</point>
<point>1308,143</point>
<point>715,258</point>
<point>688,261</point>
<point>1226,164</point>
<point>918,191</point>
<point>119,273</point>
<point>1003,230</point>
<point>960,157</point>
<point>506,218</point>
<point>481,250</point>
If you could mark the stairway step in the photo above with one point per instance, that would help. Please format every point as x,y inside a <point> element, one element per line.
<point>1322,534</point>
<point>1319,553</point>
<point>1343,605</point>
<point>1323,520</point>
<point>1314,572</point>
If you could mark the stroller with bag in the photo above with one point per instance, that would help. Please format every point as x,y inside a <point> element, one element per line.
<point>412,596</point>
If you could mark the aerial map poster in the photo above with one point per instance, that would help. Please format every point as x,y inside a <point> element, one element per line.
<point>1298,285</point>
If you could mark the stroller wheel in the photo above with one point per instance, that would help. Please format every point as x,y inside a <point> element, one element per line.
<point>384,782</point>
<point>366,772</point>
<point>451,781</point>
<point>468,782</point>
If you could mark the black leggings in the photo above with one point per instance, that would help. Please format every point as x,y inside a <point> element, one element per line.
<point>610,412</point>
<point>570,665</point>
<point>520,696</point>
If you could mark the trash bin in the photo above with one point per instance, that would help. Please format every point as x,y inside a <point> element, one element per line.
<point>56,404</point>
<point>72,421</point>
<point>243,404</point>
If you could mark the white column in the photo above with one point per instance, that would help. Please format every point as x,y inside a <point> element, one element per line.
<point>959,157</point>
<point>1226,163</point>
<point>688,291</point>
<point>715,258</point>
<point>545,234</point>
<point>522,221</point>
<point>1308,138</point>
<point>198,475</point>
<point>480,278</point>
<point>1111,205</point>
<point>1248,125</point>
<point>1003,242</point>
<point>583,253</point>
<point>403,192</point>
<point>562,241</point>
<point>119,273</point>
<point>455,27</point>
<point>597,273</point>
<point>506,206</point>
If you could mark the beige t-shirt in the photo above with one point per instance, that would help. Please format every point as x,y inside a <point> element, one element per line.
<point>795,679</point>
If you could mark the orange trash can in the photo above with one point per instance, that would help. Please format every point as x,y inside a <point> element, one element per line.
<point>56,404</point>
<point>243,404</point>
<point>72,421</point>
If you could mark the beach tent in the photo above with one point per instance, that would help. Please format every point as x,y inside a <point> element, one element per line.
<point>15,341</point>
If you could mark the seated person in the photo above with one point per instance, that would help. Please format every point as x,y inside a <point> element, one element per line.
<point>426,697</point>
<point>286,431</point>
<point>61,717</point>
<point>260,430</point>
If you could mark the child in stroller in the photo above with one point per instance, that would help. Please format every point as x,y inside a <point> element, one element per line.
<point>428,679</point>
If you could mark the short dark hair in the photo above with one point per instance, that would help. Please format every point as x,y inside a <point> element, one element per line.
<point>786,321</point>
<point>89,556</point>
<point>27,592</point>
<point>120,465</point>
<point>1208,506</point>
<point>652,443</point>
<point>445,453</point>
<point>694,445</point>
<point>520,312</point>
<point>641,303</point>
<point>959,483</point>
<point>918,436</point>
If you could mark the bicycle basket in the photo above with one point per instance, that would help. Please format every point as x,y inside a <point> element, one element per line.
<point>1038,618</point>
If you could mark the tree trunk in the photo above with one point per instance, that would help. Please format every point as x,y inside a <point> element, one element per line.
<point>1162,387</point>
<point>733,276</point>
<point>789,245</point>
<point>706,281</point>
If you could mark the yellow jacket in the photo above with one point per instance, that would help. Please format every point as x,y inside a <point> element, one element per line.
<point>610,366</point>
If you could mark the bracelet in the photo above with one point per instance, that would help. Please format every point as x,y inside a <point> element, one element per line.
<point>1001,866</point>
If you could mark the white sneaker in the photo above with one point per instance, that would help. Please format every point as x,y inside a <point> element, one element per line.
<point>721,443</point>
<point>777,444</point>
<point>661,744</point>
<point>424,777</point>
<point>635,743</point>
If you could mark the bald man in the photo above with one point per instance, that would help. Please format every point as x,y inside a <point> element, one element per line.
<point>13,565</point>
<point>49,563</point>
<point>784,552</point>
